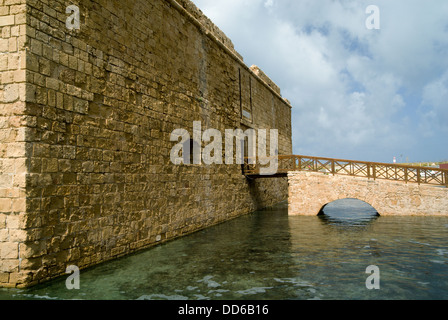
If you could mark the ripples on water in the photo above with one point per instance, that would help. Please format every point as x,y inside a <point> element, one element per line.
<point>269,255</point>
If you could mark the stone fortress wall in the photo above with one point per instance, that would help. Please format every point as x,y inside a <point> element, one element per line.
<point>85,123</point>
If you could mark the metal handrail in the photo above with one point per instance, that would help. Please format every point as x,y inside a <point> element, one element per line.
<point>371,170</point>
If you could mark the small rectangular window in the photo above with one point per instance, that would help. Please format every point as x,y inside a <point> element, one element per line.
<point>247,114</point>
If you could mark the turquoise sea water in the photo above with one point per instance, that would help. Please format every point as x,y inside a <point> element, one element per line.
<point>270,255</point>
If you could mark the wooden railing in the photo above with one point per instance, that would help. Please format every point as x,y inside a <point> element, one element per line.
<point>371,170</point>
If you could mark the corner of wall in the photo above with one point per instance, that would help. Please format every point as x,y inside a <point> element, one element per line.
<point>13,161</point>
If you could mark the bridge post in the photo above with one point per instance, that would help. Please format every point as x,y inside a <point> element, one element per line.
<point>406,175</point>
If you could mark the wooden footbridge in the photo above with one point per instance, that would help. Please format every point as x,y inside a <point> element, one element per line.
<point>371,170</point>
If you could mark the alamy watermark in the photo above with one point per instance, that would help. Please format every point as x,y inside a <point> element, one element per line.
<point>373,20</point>
<point>73,281</point>
<point>240,147</point>
<point>373,281</point>
<point>73,21</point>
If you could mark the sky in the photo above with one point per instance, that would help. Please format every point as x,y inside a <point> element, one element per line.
<point>364,85</point>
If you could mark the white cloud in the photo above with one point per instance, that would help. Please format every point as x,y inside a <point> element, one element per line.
<point>269,3</point>
<point>435,107</point>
